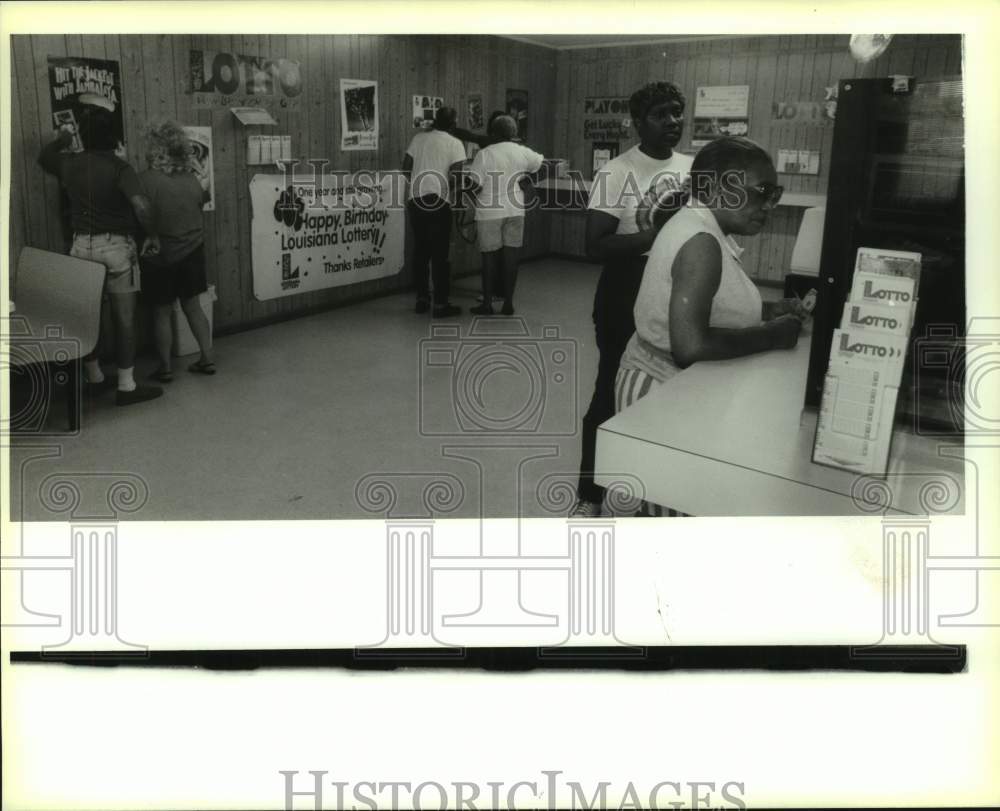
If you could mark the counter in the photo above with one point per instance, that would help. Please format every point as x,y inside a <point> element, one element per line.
<point>730,438</point>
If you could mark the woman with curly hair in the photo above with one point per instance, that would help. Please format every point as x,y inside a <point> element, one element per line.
<point>178,271</point>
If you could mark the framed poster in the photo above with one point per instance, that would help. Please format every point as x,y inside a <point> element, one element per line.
<point>358,114</point>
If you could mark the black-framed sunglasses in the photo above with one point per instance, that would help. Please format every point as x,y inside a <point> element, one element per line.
<point>768,193</point>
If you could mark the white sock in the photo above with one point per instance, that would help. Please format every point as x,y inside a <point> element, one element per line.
<point>126,382</point>
<point>93,369</point>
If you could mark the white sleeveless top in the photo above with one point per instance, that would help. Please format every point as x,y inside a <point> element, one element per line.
<point>736,305</point>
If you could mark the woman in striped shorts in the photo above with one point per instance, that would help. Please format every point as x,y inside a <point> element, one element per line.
<point>695,302</point>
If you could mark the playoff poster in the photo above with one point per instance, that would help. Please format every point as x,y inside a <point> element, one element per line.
<point>201,140</point>
<point>312,235</point>
<point>358,114</point>
<point>606,118</point>
<point>73,77</point>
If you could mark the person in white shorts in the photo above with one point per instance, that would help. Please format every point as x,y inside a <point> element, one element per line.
<point>498,171</point>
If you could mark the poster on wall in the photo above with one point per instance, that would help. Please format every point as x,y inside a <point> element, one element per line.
<point>797,162</point>
<point>603,152</point>
<point>474,112</point>
<point>424,108</point>
<point>75,82</point>
<point>720,111</point>
<point>201,140</point>
<point>358,114</point>
<point>219,79</point>
<point>517,108</point>
<point>312,235</point>
<point>606,118</point>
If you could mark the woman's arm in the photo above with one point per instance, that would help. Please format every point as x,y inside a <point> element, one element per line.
<point>696,274</point>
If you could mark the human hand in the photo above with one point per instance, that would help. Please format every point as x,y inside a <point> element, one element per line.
<point>150,246</point>
<point>655,208</point>
<point>792,306</point>
<point>784,331</point>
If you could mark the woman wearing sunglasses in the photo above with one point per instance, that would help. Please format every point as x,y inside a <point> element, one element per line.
<point>696,303</point>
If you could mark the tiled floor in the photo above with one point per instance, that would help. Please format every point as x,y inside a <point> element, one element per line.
<point>302,414</point>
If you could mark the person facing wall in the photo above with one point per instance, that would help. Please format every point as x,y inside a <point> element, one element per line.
<point>178,270</point>
<point>107,206</point>
<point>497,172</point>
<point>431,158</point>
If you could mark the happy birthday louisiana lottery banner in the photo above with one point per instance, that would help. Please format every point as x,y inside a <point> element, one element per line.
<point>311,235</point>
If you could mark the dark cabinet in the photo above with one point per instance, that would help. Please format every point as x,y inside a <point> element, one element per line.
<point>897,181</point>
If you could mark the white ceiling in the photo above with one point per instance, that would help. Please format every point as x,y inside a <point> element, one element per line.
<point>564,42</point>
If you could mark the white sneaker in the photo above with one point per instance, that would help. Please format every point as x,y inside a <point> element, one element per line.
<point>585,509</point>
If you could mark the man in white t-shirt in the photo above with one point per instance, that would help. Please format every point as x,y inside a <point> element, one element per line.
<point>499,171</point>
<point>649,177</point>
<point>430,159</point>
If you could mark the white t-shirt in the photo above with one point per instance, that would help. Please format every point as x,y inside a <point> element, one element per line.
<point>620,185</point>
<point>736,304</point>
<point>433,153</point>
<point>496,168</point>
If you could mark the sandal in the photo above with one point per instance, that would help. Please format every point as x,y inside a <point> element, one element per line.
<point>162,376</point>
<point>202,368</point>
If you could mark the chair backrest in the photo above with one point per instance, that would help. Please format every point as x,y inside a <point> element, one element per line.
<point>55,291</point>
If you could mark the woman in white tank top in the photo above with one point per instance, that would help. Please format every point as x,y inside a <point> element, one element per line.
<point>696,302</point>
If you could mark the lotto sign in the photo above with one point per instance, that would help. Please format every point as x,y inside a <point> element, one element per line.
<point>329,231</point>
<point>218,79</point>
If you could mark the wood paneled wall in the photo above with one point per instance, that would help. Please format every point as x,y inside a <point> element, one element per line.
<point>154,75</point>
<point>777,69</point>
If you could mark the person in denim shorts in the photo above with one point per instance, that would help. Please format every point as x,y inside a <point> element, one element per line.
<point>107,206</point>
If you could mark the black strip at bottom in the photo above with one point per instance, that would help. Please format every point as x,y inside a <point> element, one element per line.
<point>864,658</point>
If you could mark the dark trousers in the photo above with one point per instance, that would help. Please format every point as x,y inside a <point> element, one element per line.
<point>614,324</point>
<point>430,219</point>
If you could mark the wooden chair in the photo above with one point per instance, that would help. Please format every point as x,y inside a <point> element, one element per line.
<point>55,325</point>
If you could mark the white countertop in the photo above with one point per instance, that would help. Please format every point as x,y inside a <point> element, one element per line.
<point>731,438</point>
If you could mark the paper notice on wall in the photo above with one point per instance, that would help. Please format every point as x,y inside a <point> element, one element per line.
<point>201,141</point>
<point>325,231</point>
<point>720,111</point>
<point>424,110</point>
<point>797,162</point>
<point>358,114</point>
